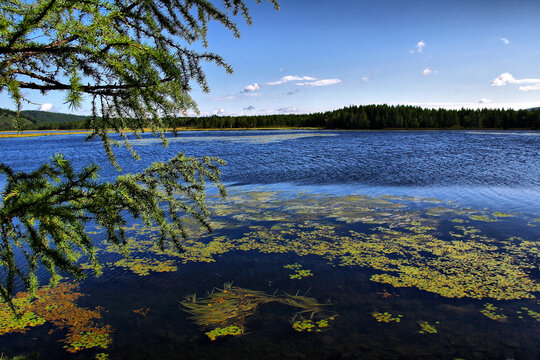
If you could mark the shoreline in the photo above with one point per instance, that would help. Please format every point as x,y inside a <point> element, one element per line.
<point>52,132</point>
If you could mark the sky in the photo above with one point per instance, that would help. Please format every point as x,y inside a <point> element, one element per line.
<point>319,55</point>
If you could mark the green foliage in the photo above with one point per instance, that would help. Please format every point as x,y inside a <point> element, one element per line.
<point>133,59</point>
<point>44,213</point>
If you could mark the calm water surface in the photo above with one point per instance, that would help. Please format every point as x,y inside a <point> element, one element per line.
<point>449,184</point>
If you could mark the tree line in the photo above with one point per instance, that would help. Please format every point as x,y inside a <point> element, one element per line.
<point>368,117</point>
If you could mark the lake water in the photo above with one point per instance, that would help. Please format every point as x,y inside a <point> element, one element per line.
<point>407,244</point>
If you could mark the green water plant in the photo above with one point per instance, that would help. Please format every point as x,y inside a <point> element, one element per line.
<point>386,317</point>
<point>232,330</point>
<point>57,306</point>
<point>492,312</point>
<point>426,328</point>
<point>535,315</point>
<point>299,272</point>
<point>226,309</point>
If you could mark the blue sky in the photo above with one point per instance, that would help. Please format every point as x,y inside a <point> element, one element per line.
<point>318,55</point>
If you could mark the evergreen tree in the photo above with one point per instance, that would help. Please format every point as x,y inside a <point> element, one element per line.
<point>135,62</point>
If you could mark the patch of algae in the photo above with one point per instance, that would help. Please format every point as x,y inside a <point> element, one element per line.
<point>299,273</point>
<point>531,313</point>
<point>225,310</point>
<point>57,305</point>
<point>491,311</point>
<point>229,330</point>
<point>386,317</point>
<point>426,328</point>
<point>406,247</point>
<point>143,267</point>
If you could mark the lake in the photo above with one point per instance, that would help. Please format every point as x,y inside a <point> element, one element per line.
<point>330,245</point>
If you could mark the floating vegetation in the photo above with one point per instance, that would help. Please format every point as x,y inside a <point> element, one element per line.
<point>491,311</point>
<point>500,214</point>
<point>102,356</point>
<point>9,323</point>
<point>232,330</point>
<point>141,311</point>
<point>405,245</point>
<point>386,317</point>
<point>426,328</point>
<point>143,267</point>
<point>299,273</point>
<point>57,305</point>
<point>531,313</point>
<point>484,218</point>
<point>309,325</point>
<point>228,308</point>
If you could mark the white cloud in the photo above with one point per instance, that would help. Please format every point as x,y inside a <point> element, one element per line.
<point>420,46</point>
<point>323,82</point>
<point>288,78</point>
<point>365,78</point>
<point>484,101</point>
<point>530,87</point>
<point>46,107</point>
<point>219,111</point>
<point>507,78</point>
<point>252,87</point>
<point>505,40</point>
<point>427,71</point>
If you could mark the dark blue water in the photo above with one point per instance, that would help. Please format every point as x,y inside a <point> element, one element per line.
<point>481,170</point>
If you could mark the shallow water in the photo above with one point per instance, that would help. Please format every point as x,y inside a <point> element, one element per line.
<point>451,207</point>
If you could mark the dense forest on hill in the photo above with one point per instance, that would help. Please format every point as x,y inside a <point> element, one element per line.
<point>34,119</point>
<point>352,117</point>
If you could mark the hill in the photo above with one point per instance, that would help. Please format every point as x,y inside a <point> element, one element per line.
<point>32,119</point>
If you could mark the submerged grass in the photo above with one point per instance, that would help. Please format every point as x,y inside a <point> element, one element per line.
<point>225,310</point>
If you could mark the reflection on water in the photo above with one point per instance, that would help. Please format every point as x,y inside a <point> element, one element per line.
<point>357,245</point>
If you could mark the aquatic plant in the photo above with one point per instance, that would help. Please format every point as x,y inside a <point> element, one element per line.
<point>500,214</point>
<point>484,218</point>
<point>299,273</point>
<point>229,330</point>
<point>386,317</point>
<point>531,313</point>
<point>228,308</point>
<point>143,267</point>
<point>490,311</point>
<point>426,328</point>
<point>406,249</point>
<point>57,305</point>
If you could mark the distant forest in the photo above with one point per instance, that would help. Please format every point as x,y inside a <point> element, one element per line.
<point>372,117</point>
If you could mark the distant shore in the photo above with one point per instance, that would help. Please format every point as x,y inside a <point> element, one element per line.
<point>37,133</point>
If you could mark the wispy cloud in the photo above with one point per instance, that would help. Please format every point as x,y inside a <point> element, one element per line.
<point>507,78</point>
<point>505,40</point>
<point>365,78</point>
<point>288,78</point>
<point>530,87</point>
<point>46,107</point>
<point>252,87</point>
<point>323,82</point>
<point>484,101</point>
<point>219,111</point>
